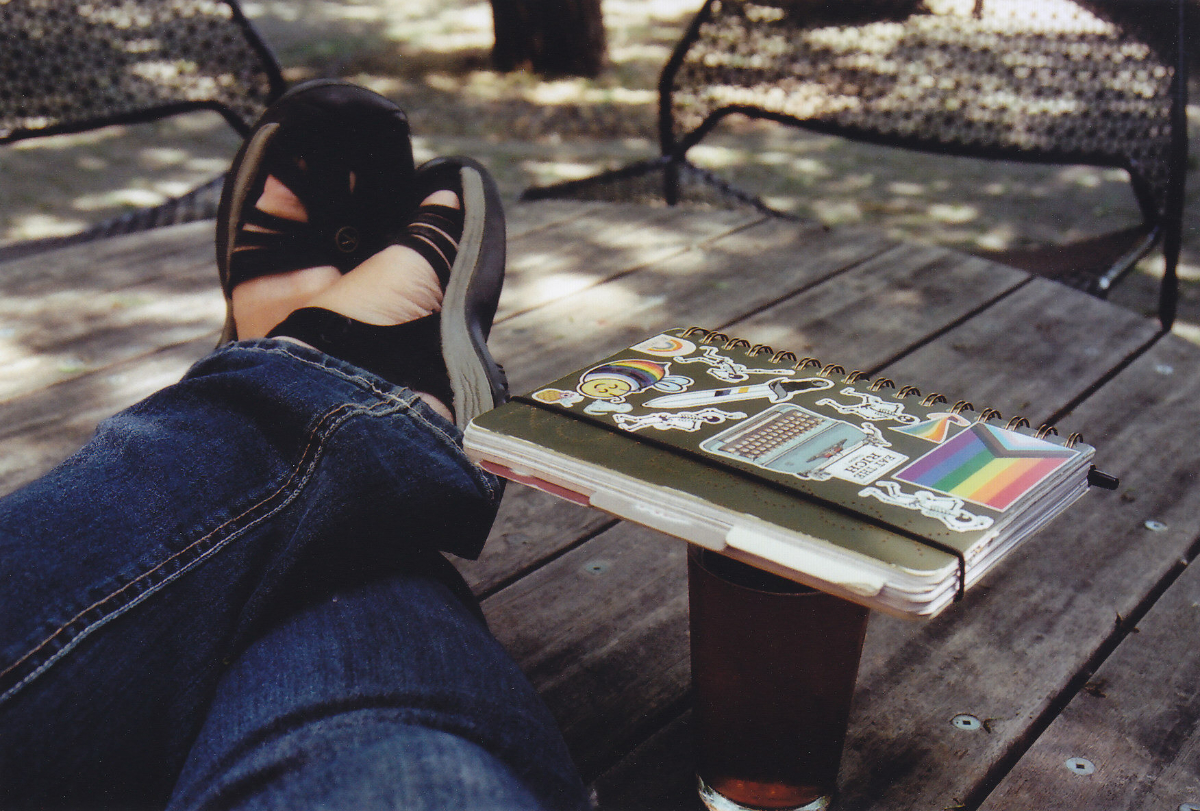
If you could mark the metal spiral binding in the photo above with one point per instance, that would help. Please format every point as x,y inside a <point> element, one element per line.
<point>827,370</point>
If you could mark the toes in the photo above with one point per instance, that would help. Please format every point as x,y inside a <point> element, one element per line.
<point>442,197</point>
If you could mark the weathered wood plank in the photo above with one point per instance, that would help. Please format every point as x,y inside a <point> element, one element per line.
<point>1045,336</point>
<point>40,430</point>
<point>730,278</point>
<point>530,528</point>
<point>878,309</point>
<point>525,218</point>
<point>63,335</point>
<point>1137,722</point>
<point>111,264</point>
<point>658,775</point>
<point>580,253</point>
<point>602,633</point>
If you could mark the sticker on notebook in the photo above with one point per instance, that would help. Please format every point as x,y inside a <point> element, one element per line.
<point>779,390</point>
<point>870,407</point>
<point>947,509</point>
<point>866,464</point>
<point>599,407</point>
<point>665,346</point>
<point>617,380</point>
<point>727,370</point>
<point>789,439</point>
<point>689,421</point>
<point>559,397</point>
<point>935,428</point>
<point>987,465</point>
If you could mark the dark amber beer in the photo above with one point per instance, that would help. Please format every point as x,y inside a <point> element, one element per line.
<point>773,670</point>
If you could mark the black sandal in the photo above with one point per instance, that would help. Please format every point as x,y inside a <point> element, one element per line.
<point>444,354</point>
<point>345,153</point>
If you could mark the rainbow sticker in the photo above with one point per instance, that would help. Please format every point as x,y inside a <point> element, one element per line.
<point>987,465</point>
<point>935,429</point>
<point>665,346</point>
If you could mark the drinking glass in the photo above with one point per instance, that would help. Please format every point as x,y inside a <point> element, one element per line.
<point>773,670</point>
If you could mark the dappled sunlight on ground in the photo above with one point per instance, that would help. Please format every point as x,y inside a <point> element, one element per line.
<point>432,57</point>
<point>61,184</point>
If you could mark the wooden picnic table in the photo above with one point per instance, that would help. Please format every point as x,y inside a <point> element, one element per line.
<point>1078,655</point>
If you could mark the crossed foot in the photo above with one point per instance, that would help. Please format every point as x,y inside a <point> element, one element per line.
<point>395,286</point>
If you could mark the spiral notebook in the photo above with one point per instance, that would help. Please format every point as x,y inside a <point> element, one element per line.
<point>860,488</point>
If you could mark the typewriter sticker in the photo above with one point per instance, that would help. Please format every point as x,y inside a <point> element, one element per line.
<point>793,440</point>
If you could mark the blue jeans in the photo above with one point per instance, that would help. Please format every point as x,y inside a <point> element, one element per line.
<point>231,598</point>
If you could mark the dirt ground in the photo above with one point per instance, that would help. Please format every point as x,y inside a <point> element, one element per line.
<point>432,57</point>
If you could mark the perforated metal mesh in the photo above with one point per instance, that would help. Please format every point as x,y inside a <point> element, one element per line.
<point>1055,80</point>
<point>68,65</point>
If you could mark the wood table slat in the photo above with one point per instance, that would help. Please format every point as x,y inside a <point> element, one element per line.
<point>575,255</point>
<point>730,278</point>
<point>1020,355</point>
<point>1136,722</point>
<point>607,645</point>
<point>40,430</point>
<point>880,308</point>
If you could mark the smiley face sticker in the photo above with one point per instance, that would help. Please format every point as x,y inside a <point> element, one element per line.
<point>617,380</point>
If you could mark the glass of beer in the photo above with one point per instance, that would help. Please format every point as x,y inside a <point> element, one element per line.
<point>773,670</point>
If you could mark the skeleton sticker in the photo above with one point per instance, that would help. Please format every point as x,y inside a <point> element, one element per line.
<point>728,370</point>
<point>689,421</point>
<point>870,407</point>
<point>945,508</point>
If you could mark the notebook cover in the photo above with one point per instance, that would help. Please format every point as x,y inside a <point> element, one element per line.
<point>925,472</point>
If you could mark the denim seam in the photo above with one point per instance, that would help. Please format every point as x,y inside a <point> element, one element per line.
<point>299,476</point>
<point>390,394</point>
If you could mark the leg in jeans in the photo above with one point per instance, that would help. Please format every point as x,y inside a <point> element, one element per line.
<point>255,540</point>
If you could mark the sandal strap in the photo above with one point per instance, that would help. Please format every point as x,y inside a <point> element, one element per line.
<point>408,354</point>
<point>434,233</point>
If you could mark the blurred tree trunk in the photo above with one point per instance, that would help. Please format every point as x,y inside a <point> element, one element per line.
<point>549,37</point>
